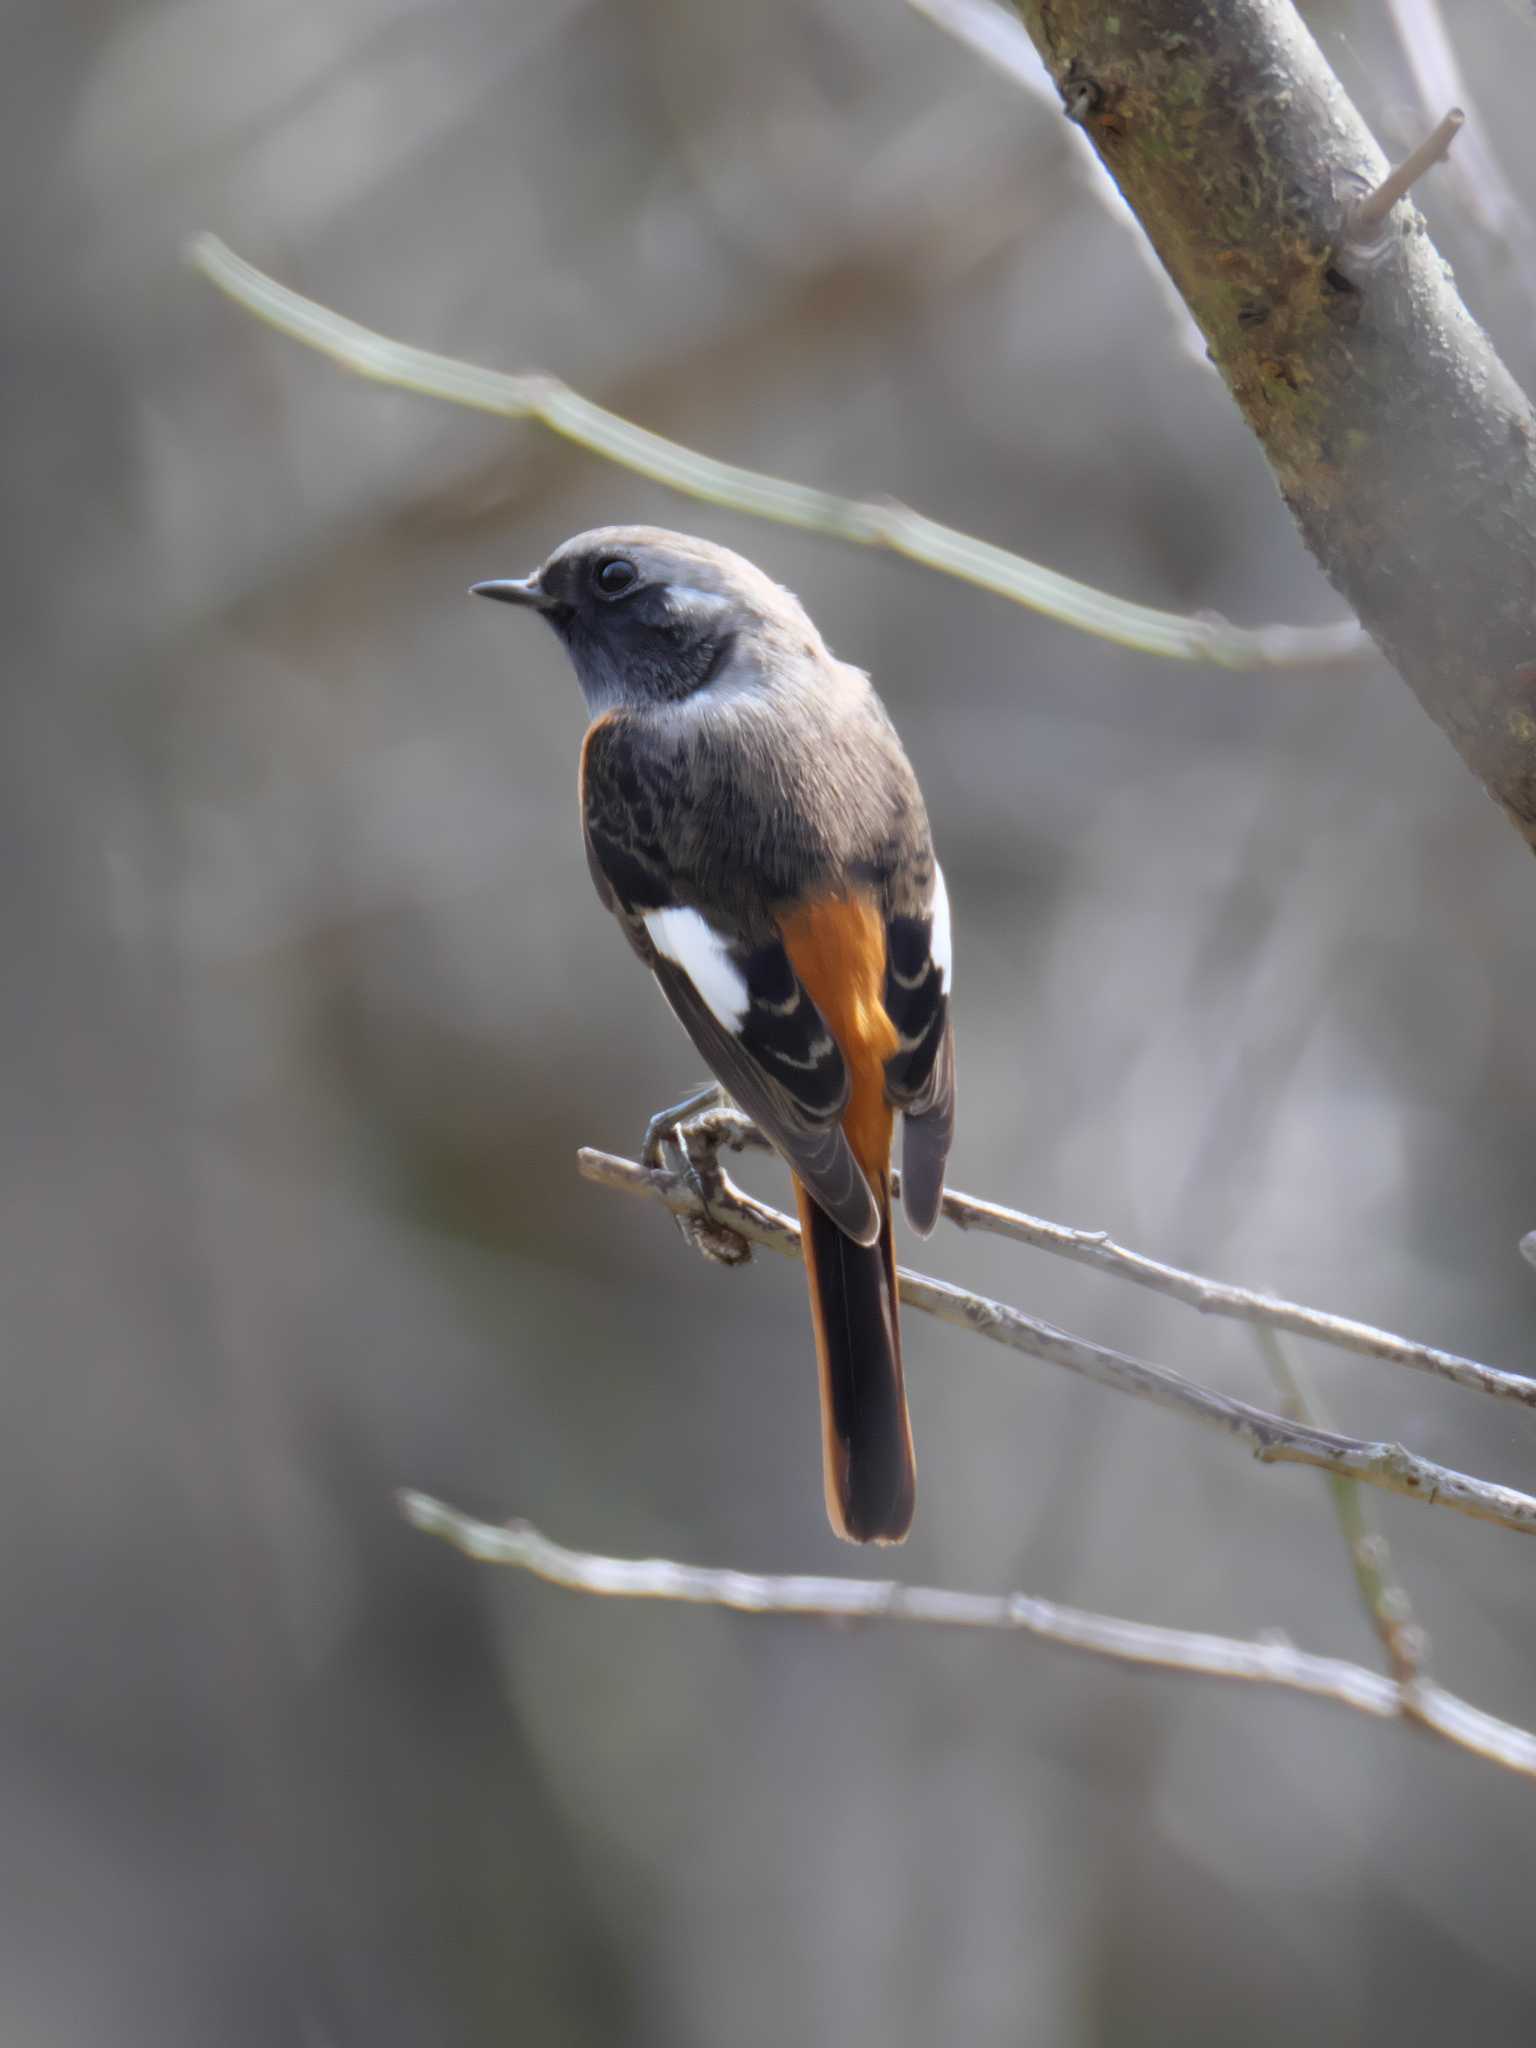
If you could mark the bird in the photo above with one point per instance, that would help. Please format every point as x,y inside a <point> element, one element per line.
<point>753,823</point>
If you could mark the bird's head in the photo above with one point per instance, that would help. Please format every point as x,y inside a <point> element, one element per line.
<point>651,617</point>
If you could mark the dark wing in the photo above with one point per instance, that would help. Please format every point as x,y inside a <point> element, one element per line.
<point>920,1074</point>
<point>740,1002</point>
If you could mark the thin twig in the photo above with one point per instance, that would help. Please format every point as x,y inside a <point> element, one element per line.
<point>1366,218</point>
<point>727,1127</point>
<point>1001,40</point>
<point>998,38</point>
<point>1188,1652</point>
<point>1485,192</point>
<point>867,522</point>
<point>1218,1298</point>
<point>1387,1606</point>
<point>1270,1438</point>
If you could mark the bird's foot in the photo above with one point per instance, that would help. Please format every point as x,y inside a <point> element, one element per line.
<point>688,1140</point>
<point>664,1126</point>
<point>699,1142</point>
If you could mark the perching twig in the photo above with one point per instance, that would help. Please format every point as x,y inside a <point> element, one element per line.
<point>1387,1606</point>
<point>728,1128</point>
<point>866,522</point>
<point>1186,1651</point>
<point>1270,1438</point>
<point>1367,217</point>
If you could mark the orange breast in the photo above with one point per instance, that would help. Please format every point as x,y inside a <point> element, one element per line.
<point>837,947</point>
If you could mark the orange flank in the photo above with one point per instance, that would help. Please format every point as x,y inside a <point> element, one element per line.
<point>836,944</point>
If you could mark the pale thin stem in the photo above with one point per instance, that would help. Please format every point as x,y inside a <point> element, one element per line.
<point>867,522</point>
<point>1001,40</point>
<point>1367,217</point>
<point>1387,1606</point>
<point>1270,1438</point>
<point>998,38</point>
<point>1187,1652</point>
<point>1486,192</point>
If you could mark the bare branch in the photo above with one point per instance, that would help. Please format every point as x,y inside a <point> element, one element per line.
<point>1387,1605</point>
<point>727,1127</point>
<point>1366,218</point>
<point>1218,1298</point>
<point>1270,1438</point>
<point>1485,192</point>
<point>1000,40</point>
<point>866,522</point>
<point>1187,1652</point>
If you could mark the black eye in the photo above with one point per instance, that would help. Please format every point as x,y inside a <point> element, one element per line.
<point>614,575</point>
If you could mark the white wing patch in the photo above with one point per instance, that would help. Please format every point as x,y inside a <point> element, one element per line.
<point>683,937</point>
<point>938,938</point>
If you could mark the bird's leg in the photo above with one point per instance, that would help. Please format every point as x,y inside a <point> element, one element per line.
<point>702,1138</point>
<point>694,1132</point>
<point>699,1141</point>
<point>663,1127</point>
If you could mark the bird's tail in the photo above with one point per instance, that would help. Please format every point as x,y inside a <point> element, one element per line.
<point>867,1461</point>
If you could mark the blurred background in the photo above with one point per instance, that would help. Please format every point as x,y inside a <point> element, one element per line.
<point>308,1005</point>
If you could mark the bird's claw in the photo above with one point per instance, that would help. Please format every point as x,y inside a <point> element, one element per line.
<point>664,1126</point>
<point>687,1140</point>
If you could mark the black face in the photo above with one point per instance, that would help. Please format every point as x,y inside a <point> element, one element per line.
<point>639,626</point>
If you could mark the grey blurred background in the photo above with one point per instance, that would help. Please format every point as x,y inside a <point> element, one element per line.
<point>308,1006</point>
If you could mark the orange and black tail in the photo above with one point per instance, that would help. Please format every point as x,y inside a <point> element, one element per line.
<point>871,1475</point>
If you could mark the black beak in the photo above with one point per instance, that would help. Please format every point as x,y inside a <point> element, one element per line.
<point>515,590</point>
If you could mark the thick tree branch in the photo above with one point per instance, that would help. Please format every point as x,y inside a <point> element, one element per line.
<point>1271,1438</point>
<point>1275,1663</point>
<point>1401,443</point>
<point>867,522</point>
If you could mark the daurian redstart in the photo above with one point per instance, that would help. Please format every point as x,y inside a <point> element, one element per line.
<point>753,823</point>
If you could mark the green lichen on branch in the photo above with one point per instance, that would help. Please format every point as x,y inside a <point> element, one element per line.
<point>1400,442</point>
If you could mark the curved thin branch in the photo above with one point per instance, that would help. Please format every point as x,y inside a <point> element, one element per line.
<point>1270,1438</point>
<point>1186,1651</point>
<point>867,522</point>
